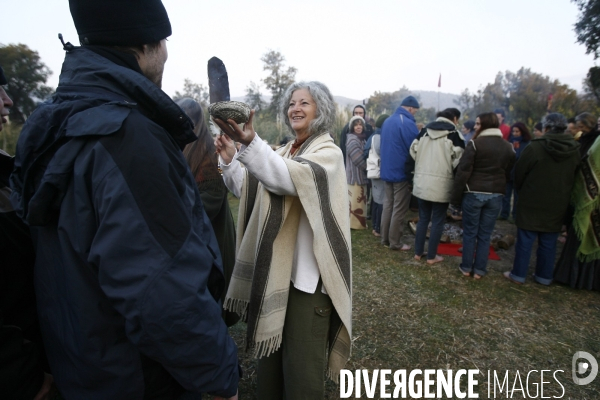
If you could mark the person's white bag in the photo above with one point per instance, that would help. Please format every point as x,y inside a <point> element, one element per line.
<point>373,164</point>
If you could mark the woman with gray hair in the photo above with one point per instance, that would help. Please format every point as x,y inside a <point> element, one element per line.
<point>292,280</point>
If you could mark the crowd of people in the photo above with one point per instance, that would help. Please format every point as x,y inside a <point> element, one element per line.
<point>484,170</point>
<point>123,267</point>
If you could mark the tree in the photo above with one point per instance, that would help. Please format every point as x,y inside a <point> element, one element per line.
<point>194,91</point>
<point>26,75</point>
<point>587,27</point>
<point>526,96</point>
<point>464,101</point>
<point>386,102</point>
<point>279,78</point>
<point>254,97</point>
<point>591,84</point>
<point>425,115</point>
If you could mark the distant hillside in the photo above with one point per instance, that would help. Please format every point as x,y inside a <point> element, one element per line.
<point>427,97</point>
<point>430,99</point>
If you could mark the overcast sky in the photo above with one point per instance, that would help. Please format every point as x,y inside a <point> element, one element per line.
<point>354,47</point>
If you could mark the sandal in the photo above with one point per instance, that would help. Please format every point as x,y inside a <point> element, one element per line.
<point>436,260</point>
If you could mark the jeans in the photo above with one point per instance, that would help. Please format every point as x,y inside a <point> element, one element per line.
<point>479,219</point>
<point>546,254</point>
<point>510,189</point>
<point>376,211</point>
<point>436,212</point>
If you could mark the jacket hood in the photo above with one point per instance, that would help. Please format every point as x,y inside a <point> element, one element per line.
<point>95,93</point>
<point>363,108</point>
<point>440,127</point>
<point>354,119</point>
<point>560,146</point>
<point>403,111</point>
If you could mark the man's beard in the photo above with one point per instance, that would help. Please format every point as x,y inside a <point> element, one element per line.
<point>155,75</point>
<point>155,68</point>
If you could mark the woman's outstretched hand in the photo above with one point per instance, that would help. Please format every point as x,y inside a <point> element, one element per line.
<point>233,130</point>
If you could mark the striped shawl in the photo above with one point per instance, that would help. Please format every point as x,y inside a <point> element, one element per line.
<point>266,236</point>
<point>586,199</point>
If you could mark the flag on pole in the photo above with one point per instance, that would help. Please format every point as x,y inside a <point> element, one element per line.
<point>440,80</point>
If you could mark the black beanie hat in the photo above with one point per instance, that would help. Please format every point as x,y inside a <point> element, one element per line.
<point>3,80</point>
<point>120,22</point>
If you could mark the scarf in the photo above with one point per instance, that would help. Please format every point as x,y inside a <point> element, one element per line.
<point>266,235</point>
<point>360,136</point>
<point>586,200</point>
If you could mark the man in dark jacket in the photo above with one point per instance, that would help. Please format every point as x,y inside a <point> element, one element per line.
<point>397,134</point>
<point>22,360</point>
<point>128,272</point>
<point>544,177</point>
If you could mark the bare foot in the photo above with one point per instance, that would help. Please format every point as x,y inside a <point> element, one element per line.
<point>436,260</point>
<point>477,276</point>
<point>376,234</point>
<point>405,247</point>
<point>420,257</point>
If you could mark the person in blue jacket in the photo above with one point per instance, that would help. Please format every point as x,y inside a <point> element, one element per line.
<point>397,135</point>
<point>128,272</point>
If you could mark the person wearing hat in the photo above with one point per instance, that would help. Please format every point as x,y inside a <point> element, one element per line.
<point>397,135</point>
<point>128,270</point>
<point>358,111</point>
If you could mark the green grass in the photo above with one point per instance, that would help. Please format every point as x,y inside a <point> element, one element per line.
<point>407,315</point>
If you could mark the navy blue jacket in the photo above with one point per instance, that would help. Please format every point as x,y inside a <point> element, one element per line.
<point>128,269</point>
<point>397,134</point>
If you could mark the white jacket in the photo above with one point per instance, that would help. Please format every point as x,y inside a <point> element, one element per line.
<point>436,152</point>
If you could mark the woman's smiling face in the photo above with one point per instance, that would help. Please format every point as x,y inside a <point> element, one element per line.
<point>302,110</point>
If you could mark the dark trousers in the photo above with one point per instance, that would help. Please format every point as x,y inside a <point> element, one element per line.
<point>297,369</point>
<point>376,211</point>
<point>479,219</point>
<point>436,213</point>
<point>546,254</point>
<point>505,213</point>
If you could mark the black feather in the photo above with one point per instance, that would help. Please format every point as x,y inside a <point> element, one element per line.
<point>218,82</point>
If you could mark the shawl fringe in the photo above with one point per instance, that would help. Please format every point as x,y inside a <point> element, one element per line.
<point>267,347</point>
<point>238,306</point>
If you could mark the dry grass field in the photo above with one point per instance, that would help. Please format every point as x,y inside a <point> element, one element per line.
<point>410,315</point>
